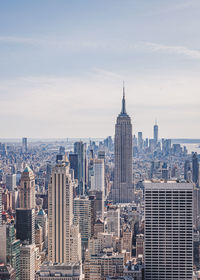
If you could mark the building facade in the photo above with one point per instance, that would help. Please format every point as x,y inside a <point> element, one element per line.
<point>122,191</point>
<point>168,230</point>
<point>27,189</point>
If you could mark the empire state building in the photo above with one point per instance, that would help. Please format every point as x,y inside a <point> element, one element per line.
<point>122,191</point>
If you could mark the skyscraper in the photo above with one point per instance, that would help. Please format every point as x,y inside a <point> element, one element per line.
<point>27,189</point>
<point>195,169</point>
<point>187,169</point>
<point>25,225</point>
<point>60,214</point>
<point>140,141</point>
<point>1,206</point>
<point>168,230</point>
<point>122,190</point>
<point>24,145</point>
<point>97,181</point>
<point>82,217</point>
<point>11,181</point>
<point>27,262</point>
<point>155,134</point>
<point>80,150</point>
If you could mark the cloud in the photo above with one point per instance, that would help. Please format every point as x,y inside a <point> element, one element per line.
<point>50,106</point>
<point>180,50</point>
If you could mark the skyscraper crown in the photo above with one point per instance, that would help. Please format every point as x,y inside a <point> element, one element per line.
<point>123,111</point>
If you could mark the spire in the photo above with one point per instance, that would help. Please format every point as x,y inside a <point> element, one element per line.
<point>123,112</point>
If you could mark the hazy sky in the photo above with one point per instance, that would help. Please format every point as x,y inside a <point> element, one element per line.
<point>62,63</point>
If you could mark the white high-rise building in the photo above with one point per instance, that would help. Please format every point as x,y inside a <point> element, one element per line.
<point>27,189</point>
<point>60,214</point>
<point>27,262</point>
<point>97,182</point>
<point>11,181</point>
<point>82,217</point>
<point>168,230</point>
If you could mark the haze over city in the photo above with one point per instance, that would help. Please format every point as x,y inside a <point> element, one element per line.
<point>62,64</point>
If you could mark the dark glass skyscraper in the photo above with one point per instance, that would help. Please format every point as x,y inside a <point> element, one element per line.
<point>25,225</point>
<point>80,150</point>
<point>195,169</point>
<point>122,191</point>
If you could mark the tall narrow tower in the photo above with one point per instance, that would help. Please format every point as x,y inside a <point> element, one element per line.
<point>60,203</point>
<point>155,133</point>
<point>122,190</point>
<point>27,189</point>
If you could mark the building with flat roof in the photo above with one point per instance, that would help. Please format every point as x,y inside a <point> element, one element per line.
<point>168,252</point>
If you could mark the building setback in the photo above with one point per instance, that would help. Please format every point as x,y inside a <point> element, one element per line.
<point>122,191</point>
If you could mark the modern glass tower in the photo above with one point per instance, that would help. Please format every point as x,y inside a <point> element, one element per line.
<point>122,191</point>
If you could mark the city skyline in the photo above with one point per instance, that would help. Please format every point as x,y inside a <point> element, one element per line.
<point>64,69</point>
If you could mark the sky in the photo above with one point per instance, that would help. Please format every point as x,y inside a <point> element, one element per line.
<point>63,63</point>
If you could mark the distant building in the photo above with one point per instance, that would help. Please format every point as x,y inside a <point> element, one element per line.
<point>155,134</point>
<point>80,150</point>
<point>97,181</point>
<point>187,169</point>
<point>1,206</point>
<point>11,182</point>
<point>73,159</point>
<point>24,145</point>
<point>195,169</point>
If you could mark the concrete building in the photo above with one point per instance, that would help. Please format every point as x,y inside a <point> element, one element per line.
<point>27,262</point>
<point>60,215</point>
<point>99,267</point>
<point>168,230</point>
<point>7,272</point>
<point>60,207</point>
<point>41,219</point>
<point>82,217</point>
<point>122,190</point>
<point>97,180</point>
<point>127,236</point>
<point>113,221</point>
<point>27,189</point>
<point>11,182</point>
<point>50,271</point>
<point>139,245</point>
